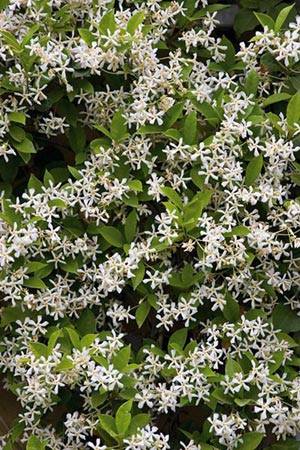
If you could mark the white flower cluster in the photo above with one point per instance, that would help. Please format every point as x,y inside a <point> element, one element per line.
<point>143,277</point>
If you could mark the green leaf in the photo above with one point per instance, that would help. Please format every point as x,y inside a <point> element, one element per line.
<point>222,398</point>
<point>173,196</point>
<point>112,235</point>
<point>34,183</point>
<point>87,36</point>
<point>108,424</point>
<point>135,185</point>
<point>121,359</point>
<point>103,130</point>
<point>275,98</point>
<point>179,338</point>
<point>86,323</point>
<point>210,113</point>
<point>189,131</point>
<point>244,20</point>
<point>252,83</point>
<point>282,16</point>
<point>39,349</point>
<point>239,230</point>
<point>295,177</point>
<point>17,431</point>
<point>54,336</point>
<point>197,179</point>
<point>28,36</point>
<point>34,266</point>
<point>68,110</point>
<point>25,146</point>
<point>141,313</point>
<point>69,265</point>
<point>151,129</point>
<point>98,398</point>
<point>74,172</point>
<point>229,53</point>
<point>232,367</point>
<point>138,275</point>
<point>251,441</point>
<point>17,133</point>
<point>130,227</point>
<point>123,417</point>
<point>77,139</point>
<point>285,319</point>
<point>231,310</point>
<point>74,337</point>
<point>265,20</point>
<point>9,214</point>
<point>253,169</point>
<point>4,4</point>
<point>193,210</point>
<point>209,8</point>
<point>65,364</point>
<point>17,117</point>
<point>277,357</point>
<point>11,314</point>
<point>187,275</point>
<point>293,110</point>
<point>135,21</point>
<point>172,133</point>
<point>35,283</point>
<point>11,40</point>
<point>108,22</point>
<point>138,421</point>
<point>172,115</point>
<point>118,128</point>
<point>34,443</point>
<point>88,339</point>
<point>242,401</point>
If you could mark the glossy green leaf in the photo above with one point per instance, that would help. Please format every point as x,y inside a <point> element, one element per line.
<point>130,227</point>
<point>141,313</point>
<point>251,441</point>
<point>173,114</point>
<point>265,20</point>
<point>34,443</point>
<point>118,128</point>
<point>173,196</point>
<point>232,367</point>
<point>135,21</point>
<point>121,359</point>
<point>253,169</point>
<point>123,417</point>
<point>138,275</point>
<point>39,349</point>
<point>112,235</point>
<point>26,146</point>
<point>282,16</point>
<point>138,421</point>
<point>77,138</point>
<point>17,117</point>
<point>189,131</point>
<point>86,323</point>
<point>293,110</point>
<point>179,338</point>
<point>285,319</point>
<point>35,283</point>
<point>251,84</point>
<point>108,424</point>
<point>87,36</point>
<point>276,98</point>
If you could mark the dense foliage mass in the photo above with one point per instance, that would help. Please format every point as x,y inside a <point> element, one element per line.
<point>149,226</point>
